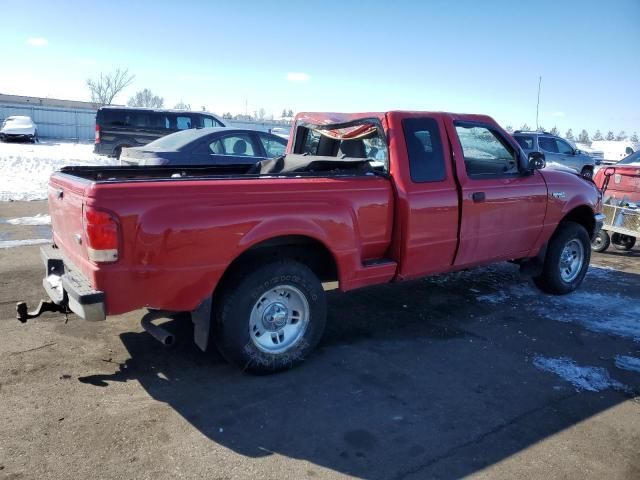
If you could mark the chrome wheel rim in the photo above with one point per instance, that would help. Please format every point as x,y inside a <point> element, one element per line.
<point>571,260</point>
<point>279,319</point>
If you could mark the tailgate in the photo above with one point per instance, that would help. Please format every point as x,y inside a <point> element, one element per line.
<point>66,199</point>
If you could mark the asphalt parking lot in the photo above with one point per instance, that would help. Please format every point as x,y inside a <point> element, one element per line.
<point>468,374</point>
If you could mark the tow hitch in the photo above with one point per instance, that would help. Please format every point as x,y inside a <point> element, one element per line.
<point>23,315</point>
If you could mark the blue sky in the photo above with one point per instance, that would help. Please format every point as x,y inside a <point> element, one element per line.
<point>466,56</point>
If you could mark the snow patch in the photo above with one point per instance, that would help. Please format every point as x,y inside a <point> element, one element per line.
<point>592,379</point>
<point>612,314</point>
<point>26,168</point>
<point>22,243</point>
<point>39,219</point>
<point>626,362</point>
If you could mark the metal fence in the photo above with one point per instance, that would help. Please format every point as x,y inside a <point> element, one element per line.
<point>80,124</point>
<point>67,123</point>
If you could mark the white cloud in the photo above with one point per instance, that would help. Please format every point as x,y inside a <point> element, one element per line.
<point>557,114</point>
<point>298,77</point>
<point>37,42</point>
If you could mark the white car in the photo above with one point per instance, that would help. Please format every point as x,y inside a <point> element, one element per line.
<point>19,128</point>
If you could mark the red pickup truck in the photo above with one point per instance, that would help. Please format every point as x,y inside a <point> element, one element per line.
<point>360,199</point>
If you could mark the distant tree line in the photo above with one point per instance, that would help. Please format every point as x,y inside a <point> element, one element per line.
<point>583,136</point>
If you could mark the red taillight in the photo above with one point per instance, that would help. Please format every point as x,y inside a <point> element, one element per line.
<point>97,133</point>
<point>101,230</point>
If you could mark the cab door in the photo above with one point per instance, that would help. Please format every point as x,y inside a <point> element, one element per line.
<point>503,206</point>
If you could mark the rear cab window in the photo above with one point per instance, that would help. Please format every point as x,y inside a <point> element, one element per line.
<point>358,139</point>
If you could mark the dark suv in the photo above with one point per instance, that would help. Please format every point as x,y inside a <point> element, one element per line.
<point>556,150</point>
<point>122,127</point>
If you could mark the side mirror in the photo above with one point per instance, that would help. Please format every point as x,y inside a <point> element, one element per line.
<point>536,161</point>
<point>577,151</point>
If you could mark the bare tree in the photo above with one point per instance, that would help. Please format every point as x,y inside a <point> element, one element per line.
<point>634,137</point>
<point>569,135</point>
<point>182,106</point>
<point>555,131</point>
<point>525,127</point>
<point>597,136</point>
<point>509,128</point>
<point>610,136</point>
<point>146,98</point>
<point>104,89</point>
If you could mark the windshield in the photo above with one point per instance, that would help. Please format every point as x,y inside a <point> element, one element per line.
<point>633,158</point>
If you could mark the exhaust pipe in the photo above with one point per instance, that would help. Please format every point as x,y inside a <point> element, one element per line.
<point>162,335</point>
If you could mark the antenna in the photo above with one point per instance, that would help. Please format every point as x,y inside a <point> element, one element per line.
<point>538,104</point>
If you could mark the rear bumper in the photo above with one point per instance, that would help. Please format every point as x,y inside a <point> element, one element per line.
<point>64,283</point>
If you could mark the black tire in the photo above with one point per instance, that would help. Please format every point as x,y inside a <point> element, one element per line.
<point>601,241</point>
<point>236,301</point>
<point>623,242</point>
<point>551,280</point>
<point>587,172</point>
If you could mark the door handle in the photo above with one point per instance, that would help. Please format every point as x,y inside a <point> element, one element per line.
<point>478,197</point>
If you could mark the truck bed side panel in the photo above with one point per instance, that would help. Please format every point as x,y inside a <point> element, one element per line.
<point>180,236</point>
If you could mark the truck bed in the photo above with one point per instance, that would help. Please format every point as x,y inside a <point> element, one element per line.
<point>291,165</point>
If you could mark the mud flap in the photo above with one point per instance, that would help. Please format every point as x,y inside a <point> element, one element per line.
<point>201,318</point>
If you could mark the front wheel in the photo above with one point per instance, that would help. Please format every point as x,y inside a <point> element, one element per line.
<point>623,242</point>
<point>566,261</point>
<point>601,241</point>
<point>270,318</point>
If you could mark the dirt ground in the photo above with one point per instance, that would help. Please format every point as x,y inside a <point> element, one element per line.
<point>438,378</point>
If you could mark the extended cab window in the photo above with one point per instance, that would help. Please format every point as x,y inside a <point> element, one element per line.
<point>424,147</point>
<point>485,152</point>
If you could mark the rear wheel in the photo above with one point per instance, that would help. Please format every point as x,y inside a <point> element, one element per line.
<point>566,261</point>
<point>269,319</point>
<point>601,241</point>
<point>623,242</point>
